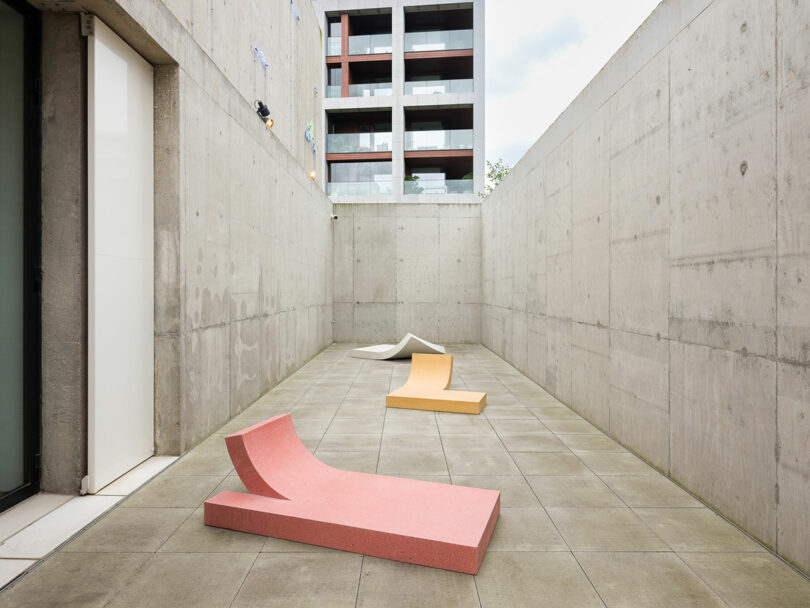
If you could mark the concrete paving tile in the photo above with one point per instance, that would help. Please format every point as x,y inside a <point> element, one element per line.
<point>515,492</point>
<point>362,462</point>
<point>549,463</point>
<point>650,491</point>
<point>534,580</point>
<point>502,412</point>
<point>138,530</point>
<point>203,462</point>
<point>278,545</point>
<point>193,536</point>
<point>74,580</point>
<point>27,512</point>
<point>301,580</point>
<point>532,441</point>
<point>572,427</point>
<point>699,529</point>
<point>575,491</point>
<point>398,585</point>
<point>420,425</point>
<point>467,462</point>
<point>590,443</point>
<point>12,568</point>
<point>619,529</point>
<point>640,580</point>
<point>457,443</point>
<point>182,580</point>
<point>510,425</point>
<point>396,462</point>
<point>354,425</point>
<point>526,529</point>
<point>554,412</point>
<point>615,463</point>
<point>333,442</point>
<point>462,424</point>
<point>181,491</point>
<point>411,442</point>
<point>751,580</point>
<point>50,531</point>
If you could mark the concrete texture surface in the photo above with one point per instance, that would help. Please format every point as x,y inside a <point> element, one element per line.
<point>243,246</point>
<point>402,268</point>
<point>583,521</point>
<point>648,261</point>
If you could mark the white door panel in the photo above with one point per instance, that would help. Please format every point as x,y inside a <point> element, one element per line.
<point>120,258</point>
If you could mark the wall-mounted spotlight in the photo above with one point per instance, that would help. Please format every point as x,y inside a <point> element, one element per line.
<point>312,174</point>
<point>264,112</point>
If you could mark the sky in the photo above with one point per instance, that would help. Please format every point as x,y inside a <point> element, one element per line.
<point>539,55</point>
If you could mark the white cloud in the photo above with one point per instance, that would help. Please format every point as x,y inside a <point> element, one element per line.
<point>540,54</point>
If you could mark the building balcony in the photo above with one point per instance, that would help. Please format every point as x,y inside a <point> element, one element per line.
<point>453,139</point>
<point>448,40</point>
<point>333,90</point>
<point>358,188</point>
<point>333,46</point>
<point>438,87</point>
<point>371,44</point>
<point>439,186</point>
<point>342,143</point>
<point>370,89</point>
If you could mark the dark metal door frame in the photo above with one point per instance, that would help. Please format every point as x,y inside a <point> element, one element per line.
<point>32,314</point>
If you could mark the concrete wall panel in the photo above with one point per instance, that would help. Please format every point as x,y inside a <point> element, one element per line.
<point>690,148</point>
<point>413,267</point>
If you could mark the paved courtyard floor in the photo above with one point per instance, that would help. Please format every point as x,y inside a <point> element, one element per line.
<point>583,522</point>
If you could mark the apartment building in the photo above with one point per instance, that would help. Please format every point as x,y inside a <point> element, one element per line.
<point>403,101</point>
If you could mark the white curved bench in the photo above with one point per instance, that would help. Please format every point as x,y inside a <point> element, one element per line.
<point>408,346</point>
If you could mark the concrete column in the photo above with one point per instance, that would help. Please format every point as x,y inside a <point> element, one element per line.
<point>64,254</point>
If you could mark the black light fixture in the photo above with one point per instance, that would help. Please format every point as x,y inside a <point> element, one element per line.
<point>264,112</point>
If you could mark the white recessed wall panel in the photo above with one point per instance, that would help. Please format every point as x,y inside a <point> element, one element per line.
<point>120,258</point>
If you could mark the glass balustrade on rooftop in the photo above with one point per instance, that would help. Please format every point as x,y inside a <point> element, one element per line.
<point>358,188</point>
<point>338,143</point>
<point>370,44</point>
<point>333,46</point>
<point>454,139</point>
<point>438,186</point>
<point>370,89</point>
<point>449,40</point>
<point>333,90</point>
<point>438,87</point>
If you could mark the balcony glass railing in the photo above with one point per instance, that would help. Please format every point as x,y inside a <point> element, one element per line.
<point>369,44</point>
<point>449,40</point>
<point>358,188</point>
<point>332,46</point>
<point>439,186</point>
<point>338,143</point>
<point>370,89</point>
<point>455,139</point>
<point>333,90</point>
<point>438,87</point>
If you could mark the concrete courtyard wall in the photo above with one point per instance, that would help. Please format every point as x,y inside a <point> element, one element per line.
<point>243,243</point>
<point>648,260</point>
<point>402,268</point>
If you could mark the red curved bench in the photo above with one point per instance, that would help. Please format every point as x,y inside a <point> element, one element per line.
<point>296,497</point>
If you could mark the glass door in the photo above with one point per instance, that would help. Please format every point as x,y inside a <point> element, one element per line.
<point>19,253</point>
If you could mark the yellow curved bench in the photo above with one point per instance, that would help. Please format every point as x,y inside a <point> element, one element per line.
<point>427,388</point>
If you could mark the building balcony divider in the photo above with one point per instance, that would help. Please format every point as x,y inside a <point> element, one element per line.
<point>371,44</point>
<point>439,186</point>
<point>448,40</point>
<point>438,87</point>
<point>358,188</point>
<point>341,143</point>
<point>454,139</point>
<point>370,89</point>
